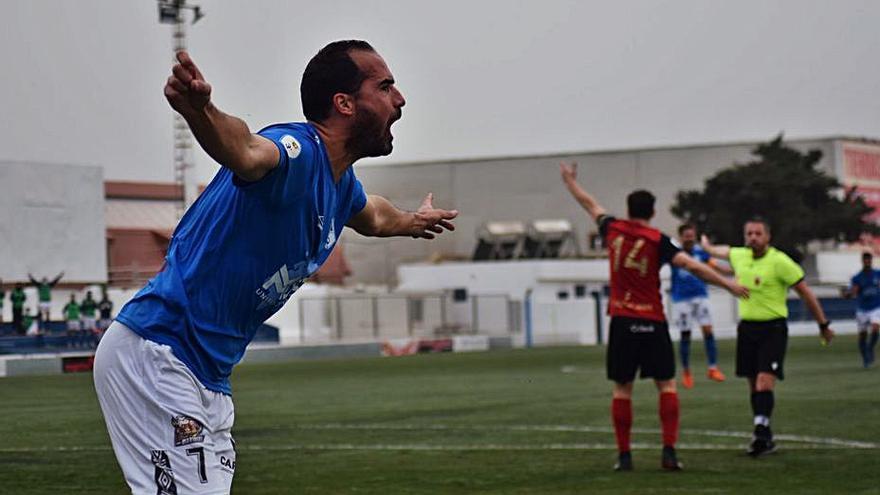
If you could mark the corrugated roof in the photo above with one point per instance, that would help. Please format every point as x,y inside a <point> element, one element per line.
<point>140,214</point>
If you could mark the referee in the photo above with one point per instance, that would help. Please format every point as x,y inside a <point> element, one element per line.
<point>762,333</point>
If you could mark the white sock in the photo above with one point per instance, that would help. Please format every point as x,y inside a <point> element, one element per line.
<point>762,420</point>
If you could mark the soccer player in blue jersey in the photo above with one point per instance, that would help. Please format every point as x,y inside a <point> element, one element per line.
<point>865,286</point>
<point>265,223</point>
<point>690,307</point>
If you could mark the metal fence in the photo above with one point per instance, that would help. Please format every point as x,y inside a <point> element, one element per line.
<point>359,317</point>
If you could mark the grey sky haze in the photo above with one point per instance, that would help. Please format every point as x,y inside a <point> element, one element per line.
<point>83,79</point>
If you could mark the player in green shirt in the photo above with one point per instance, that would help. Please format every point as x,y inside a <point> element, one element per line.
<point>72,315</point>
<point>89,308</point>
<point>18,297</point>
<point>44,294</point>
<point>762,333</point>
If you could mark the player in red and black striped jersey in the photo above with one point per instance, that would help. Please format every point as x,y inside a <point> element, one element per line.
<point>639,337</point>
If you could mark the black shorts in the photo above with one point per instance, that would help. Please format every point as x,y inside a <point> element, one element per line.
<point>636,344</point>
<point>760,347</point>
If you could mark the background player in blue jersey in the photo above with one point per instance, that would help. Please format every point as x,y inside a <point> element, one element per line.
<point>266,222</point>
<point>865,286</point>
<point>690,307</point>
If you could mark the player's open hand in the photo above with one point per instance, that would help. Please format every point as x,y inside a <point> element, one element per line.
<point>429,220</point>
<point>569,171</point>
<point>737,290</point>
<point>186,89</point>
<point>827,334</point>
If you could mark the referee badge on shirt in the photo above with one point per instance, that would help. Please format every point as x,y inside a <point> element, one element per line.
<point>186,430</point>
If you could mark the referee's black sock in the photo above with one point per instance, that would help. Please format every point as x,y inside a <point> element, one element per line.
<point>762,407</point>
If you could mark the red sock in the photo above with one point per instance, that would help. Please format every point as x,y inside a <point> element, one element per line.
<point>622,414</point>
<point>669,418</point>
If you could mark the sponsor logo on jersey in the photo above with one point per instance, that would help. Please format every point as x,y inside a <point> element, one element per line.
<point>186,430</point>
<point>641,328</point>
<point>291,145</point>
<point>281,285</point>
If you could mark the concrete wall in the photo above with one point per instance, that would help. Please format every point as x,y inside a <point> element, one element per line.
<point>529,188</point>
<point>52,219</point>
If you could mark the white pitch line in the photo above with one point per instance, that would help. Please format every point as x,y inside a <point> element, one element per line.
<point>854,444</point>
<point>438,448</point>
<point>801,442</point>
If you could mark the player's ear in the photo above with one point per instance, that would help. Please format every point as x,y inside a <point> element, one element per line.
<point>344,104</point>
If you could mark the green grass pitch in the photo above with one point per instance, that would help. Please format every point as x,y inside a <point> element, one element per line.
<point>505,422</point>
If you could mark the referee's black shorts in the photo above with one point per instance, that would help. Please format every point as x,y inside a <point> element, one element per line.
<point>638,344</point>
<point>760,347</point>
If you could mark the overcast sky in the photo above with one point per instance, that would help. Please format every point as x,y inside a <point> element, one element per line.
<point>82,80</point>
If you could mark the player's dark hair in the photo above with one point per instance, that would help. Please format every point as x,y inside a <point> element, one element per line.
<point>867,255</point>
<point>761,220</point>
<point>329,72</point>
<point>686,226</point>
<point>640,204</point>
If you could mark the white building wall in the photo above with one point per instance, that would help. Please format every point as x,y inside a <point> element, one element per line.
<point>52,220</point>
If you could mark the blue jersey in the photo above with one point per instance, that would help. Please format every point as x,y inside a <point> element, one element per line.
<point>239,253</point>
<point>686,285</point>
<point>869,289</point>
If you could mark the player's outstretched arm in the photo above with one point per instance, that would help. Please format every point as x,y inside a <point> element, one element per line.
<point>587,201</point>
<point>708,274</point>
<point>226,138</point>
<point>380,218</point>
<point>721,268</point>
<point>806,294</point>
<point>719,251</point>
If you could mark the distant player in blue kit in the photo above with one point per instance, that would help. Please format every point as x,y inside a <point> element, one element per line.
<point>865,286</point>
<point>690,307</point>
<point>266,222</point>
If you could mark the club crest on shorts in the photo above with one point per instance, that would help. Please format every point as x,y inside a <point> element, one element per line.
<point>186,430</point>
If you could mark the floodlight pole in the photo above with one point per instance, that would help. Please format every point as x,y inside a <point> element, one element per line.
<point>171,12</point>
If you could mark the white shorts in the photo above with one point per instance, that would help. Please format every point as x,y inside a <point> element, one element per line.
<point>73,325</point>
<point>692,311</point>
<point>88,323</point>
<point>44,306</point>
<point>864,319</point>
<point>170,434</point>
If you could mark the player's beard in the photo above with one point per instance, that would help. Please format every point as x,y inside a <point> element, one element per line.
<point>370,135</point>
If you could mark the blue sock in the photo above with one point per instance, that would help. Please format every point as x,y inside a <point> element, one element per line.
<point>863,345</point>
<point>873,342</point>
<point>684,350</point>
<point>711,349</point>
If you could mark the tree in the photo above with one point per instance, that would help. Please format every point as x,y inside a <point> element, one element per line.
<point>783,186</point>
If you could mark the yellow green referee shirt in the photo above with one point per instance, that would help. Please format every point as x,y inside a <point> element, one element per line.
<point>768,279</point>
